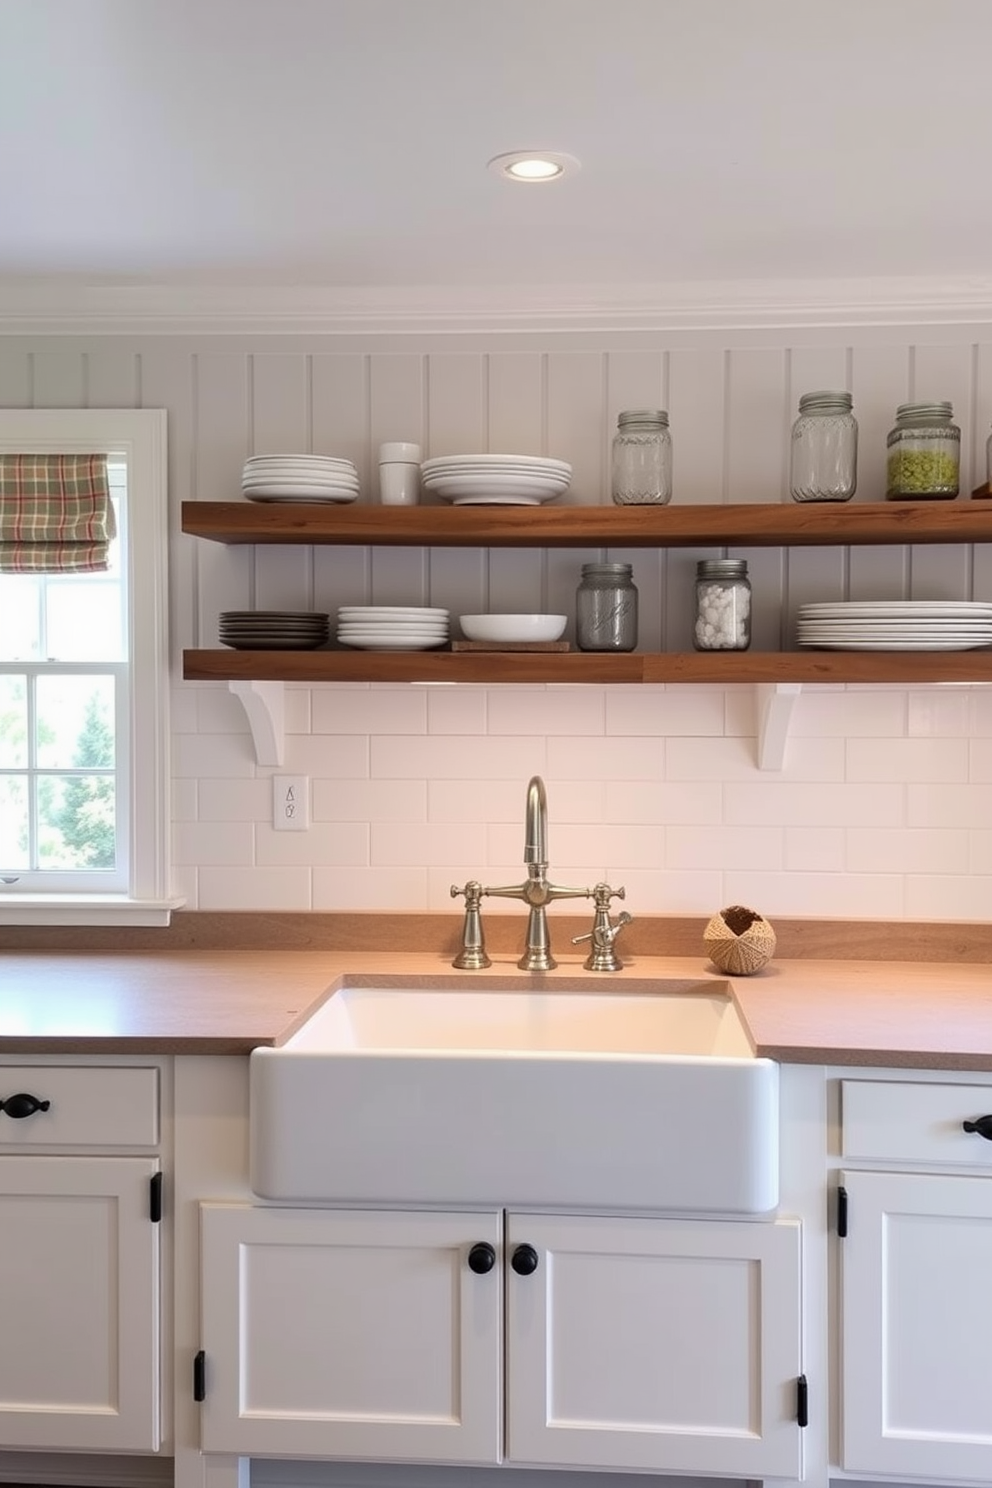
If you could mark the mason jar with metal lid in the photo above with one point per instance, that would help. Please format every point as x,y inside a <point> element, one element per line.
<point>642,458</point>
<point>824,455</point>
<point>924,454</point>
<point>606,608</point>
<point>723,605</point>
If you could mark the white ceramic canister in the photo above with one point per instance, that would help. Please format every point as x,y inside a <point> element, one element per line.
<point>399,473</point>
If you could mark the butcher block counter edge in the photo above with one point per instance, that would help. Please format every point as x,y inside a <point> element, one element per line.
<point>908,1014</point>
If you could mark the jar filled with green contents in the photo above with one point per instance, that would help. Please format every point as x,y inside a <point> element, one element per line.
<point>924,458</point>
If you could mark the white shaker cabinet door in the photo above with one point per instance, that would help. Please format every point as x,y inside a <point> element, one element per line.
<point>654,1345</point>
<point>79,1304</point>
<point>344,1333</point>
<point>916,1267</point>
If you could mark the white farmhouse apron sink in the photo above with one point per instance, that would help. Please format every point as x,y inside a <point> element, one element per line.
<point>649,1100</point>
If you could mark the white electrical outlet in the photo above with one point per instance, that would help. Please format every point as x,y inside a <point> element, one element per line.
<point>290,803</point>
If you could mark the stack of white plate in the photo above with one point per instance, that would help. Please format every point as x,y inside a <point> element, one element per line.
<point>299,478</point>
<point>392,627</point>
<point>894,625</point>
<point>496,480</point>
<point>274,630</point>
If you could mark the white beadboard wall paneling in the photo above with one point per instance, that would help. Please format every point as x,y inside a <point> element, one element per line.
<point>166,381</point>
<point>881,379</point>
<point>58,379</point>
<point>457,404</point>
<point>339,412</point>
<point>112,377</point>
<point>515,409</point>
<point>945,372</point>
<point>697,409</point>
<point>221,442</point>
<point>398,405</point>
<point>279,388</point>
<point>458,417</point>
<point>400,576</point>
<point>16,377</point>
<point>575,419</point>
<point>755,453</point>
<point>980,421</point>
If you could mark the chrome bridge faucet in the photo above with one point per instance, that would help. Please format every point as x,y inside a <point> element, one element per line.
<point>537,892</point>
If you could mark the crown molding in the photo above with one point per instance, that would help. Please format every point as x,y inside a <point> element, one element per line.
<point>47,307</point>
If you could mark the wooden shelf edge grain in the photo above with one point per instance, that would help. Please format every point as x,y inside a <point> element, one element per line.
<point>635,667</point>
<point>765,525</point>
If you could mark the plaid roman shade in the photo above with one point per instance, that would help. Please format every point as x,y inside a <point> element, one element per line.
<point>55,513</point>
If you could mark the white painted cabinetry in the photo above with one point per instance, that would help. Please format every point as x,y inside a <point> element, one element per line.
<point>79,1258</point>
<point>651,1344</point>
<point>915,1266</point>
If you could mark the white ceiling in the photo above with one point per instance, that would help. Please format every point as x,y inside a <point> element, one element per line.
<point>343,143</point>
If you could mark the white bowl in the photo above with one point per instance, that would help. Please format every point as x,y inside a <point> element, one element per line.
<point>512,627</point>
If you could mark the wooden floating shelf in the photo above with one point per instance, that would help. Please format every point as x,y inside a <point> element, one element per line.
<point>635,667</point>
<point>779,525</point>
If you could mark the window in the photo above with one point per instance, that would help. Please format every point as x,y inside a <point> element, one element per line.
<point>84,816</point>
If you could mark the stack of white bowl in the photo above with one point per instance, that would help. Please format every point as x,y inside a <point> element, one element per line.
<point>392,627</point>
<point>496,480</point>
<point>299,478</point>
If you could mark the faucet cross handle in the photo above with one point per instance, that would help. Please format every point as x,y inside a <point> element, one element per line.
<point>602,954</point>
<point>472,956</point>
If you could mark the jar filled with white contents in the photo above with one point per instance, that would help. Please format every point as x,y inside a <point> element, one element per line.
<point>723,605</point>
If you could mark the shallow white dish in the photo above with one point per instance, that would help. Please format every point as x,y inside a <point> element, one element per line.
<point>398,643</point>
<point>296,493</point>
<point>384,612</point>
<point>486,462</point>
<point>537,488</point>
<point>513,627</point>
<point>921,609</point>
<point>917,645</point>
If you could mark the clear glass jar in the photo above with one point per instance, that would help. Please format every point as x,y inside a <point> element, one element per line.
<point>988,461</point>
<point>723,605</point>
<point>824,456</point>
<point>606,608</point>
<point>924,459</point>
<point>642,458</point>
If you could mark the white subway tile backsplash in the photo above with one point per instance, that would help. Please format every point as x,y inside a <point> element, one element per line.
<point>284,889</point>
<point>377,710</point>
<point>938,712</point>
<point>218,711</point>
<point>848,714</point>
<point>945,897</point>
<point>323,845</point>
<point>606,759</point>
<point>803,805</point>
<point>342,800</point>
<point>455,710</point>
<point>185,794</point>
<point>907,759</point>
<point>684,802</point>
<point>385,890</point>
<point>820,895</point>
<point>340,756</point>
<point>400,757</point>
<point>426,844</point>
<point>236,800</point>
<point>663,713</point>
<point>761,848</point>
<point>906,850</point>
<point>815,849</point>
<point>662,891</point>
<point>929,805</point>
<point>550,711</point>
<point>212,844</point>
<point>209,756</point>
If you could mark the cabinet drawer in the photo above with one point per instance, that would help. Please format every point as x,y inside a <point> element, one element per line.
<point>902,1121</point>
<point>88,1106</point>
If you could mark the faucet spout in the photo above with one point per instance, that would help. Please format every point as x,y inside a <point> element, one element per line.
<point>536,825</point>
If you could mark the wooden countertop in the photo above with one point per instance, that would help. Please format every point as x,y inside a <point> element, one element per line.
<point>902,1014</point>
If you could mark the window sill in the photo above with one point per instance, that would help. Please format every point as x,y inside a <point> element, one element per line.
<point>88,909</point>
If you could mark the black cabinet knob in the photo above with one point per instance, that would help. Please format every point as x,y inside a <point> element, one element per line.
<point>524,1260</point>
<point>983,1126</point>
<point>19,1106</point>
<point>481,1258</point>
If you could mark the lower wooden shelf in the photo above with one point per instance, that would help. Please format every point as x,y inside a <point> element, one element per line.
<point>493,667</point>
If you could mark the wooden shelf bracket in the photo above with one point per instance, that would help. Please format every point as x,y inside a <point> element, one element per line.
<point>265,705</point>
<point>774,702</point>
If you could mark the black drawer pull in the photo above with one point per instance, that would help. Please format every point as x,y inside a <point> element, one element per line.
<point>19,1106</point>
<point>983,1126</point>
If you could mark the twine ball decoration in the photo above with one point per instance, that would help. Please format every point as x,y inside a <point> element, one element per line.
<point>739,940</point>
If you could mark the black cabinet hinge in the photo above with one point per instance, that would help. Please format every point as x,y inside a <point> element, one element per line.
<point>802,1401</point>
<point>200,1376</point>
<point>155,1198</point>
<point>842,1212</point>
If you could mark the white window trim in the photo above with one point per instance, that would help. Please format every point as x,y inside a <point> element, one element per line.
<point>141,433</point>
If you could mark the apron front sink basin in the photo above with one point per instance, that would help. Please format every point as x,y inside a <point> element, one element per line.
<point>559,1097</point>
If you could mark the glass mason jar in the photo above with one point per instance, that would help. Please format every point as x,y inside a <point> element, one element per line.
<point>824,458</point>
<point>924,454</point>
<point>606,608</point>
<point>642,459</point>
<point>723,605</point>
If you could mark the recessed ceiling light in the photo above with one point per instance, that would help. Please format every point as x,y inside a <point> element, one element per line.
<point>533,167</point>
